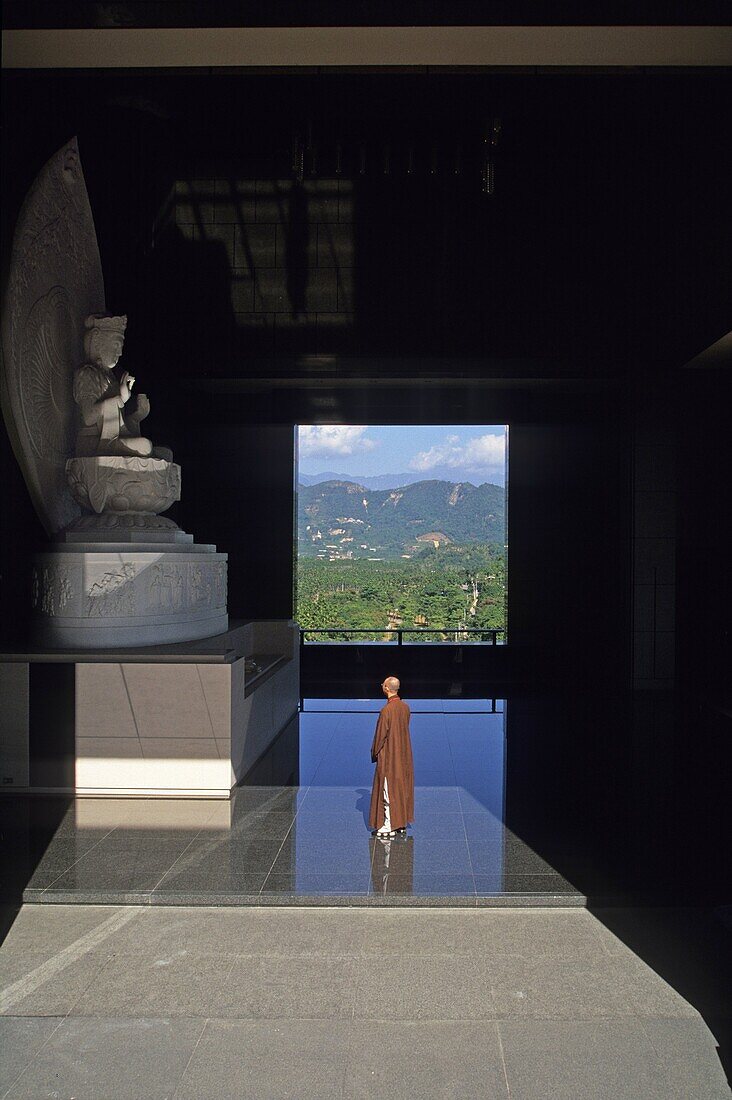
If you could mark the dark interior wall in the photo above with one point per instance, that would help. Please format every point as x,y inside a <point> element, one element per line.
<point>569,513</point>
<point>569,544</point>
<point>704,590</point>
<point>602,254</point>
<point>238,491</point>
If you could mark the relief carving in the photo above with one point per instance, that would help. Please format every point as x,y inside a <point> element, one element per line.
<point>220,581</point>
<point>199,586</point>
<point>52,589</point>
<point>114,593</point>
<point>167,587</point>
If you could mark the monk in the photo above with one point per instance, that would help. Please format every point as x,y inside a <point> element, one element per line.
<point>392,796</point>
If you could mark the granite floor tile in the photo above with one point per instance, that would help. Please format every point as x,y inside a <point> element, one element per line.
<point>101,896</point>
<point>336,772</point>
<point>568,934</point>
<point>435,800</point>
<point>486,859</point>
<point>432,773</point>
<point>317,826</point>
<point>214,881</point>
<point>591,1059</point>
<point>38,929</point>
<point>160,841</point>
<point>125,1059</point>
<point>267,1060</point>
<point>267,823</point>
<point>54,992</point>
<point>18,965</point>
<point>483,827</point>
<point>272,987</point>
<point>102,877</point>
<point>441,857</point>
<point>427,1059</point>
<point>21,1037</point>
<point>175,983</point>
<point>439,826</point>
<point>688,1052</point>
<point>239,855</point>
<point>227,931</point>
<point>437,885</point>
<point>221,859</point>
<point>291,932</point>
<point>649,993</point>
<point>520,859</point>
<point>490,854</point>
<point>307,882</point>
<point>396,932</point>
<point>238,850</point>
<point>579,988</point>
<point>260,799</point>
<point>349,856</point>
<point>233,898</point>
<point>323,799</point>
<point>39,880</point>
<point>62,851</point>
<point>197,930</point>
<point>424,988</point>
<point>526,987</point>
<point>476,797</point>
<point>501,883</point>
<point>420,901</point>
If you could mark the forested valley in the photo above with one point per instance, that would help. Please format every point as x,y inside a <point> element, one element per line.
<point>440,595</point>
<point>428,559</point>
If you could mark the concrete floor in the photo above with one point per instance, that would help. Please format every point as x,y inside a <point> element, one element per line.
<point>144,1002</point>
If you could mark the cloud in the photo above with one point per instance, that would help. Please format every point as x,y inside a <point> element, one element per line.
<point>480,453</point>
<point>322,440</point>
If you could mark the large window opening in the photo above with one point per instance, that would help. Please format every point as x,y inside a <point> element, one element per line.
<point>401,533</point>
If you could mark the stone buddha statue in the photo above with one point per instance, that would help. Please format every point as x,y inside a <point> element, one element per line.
<point>117,474</point>
<point>106,426</point>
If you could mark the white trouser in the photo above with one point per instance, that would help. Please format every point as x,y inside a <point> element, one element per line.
<point>386,827</point>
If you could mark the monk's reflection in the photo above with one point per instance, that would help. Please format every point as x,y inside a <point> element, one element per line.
<point>392,864</point>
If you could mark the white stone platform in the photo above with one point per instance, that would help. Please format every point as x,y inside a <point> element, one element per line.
<point>90,594</point>
<point>186,720</point>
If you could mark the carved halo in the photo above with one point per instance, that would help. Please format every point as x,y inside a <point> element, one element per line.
<point>54,282</point>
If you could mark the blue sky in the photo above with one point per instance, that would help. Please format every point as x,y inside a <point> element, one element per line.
<point>471,452</point>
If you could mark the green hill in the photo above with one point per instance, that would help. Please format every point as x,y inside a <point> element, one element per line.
<point>342,519</point>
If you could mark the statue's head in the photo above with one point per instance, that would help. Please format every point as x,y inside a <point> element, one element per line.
<point>104,338</point>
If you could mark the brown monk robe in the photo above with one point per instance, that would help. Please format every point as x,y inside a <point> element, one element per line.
<point>392,795</point>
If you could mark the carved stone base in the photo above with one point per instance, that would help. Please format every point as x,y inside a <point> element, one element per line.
<point>90,596</point>
<point>127,527</point>
<point>117,483</point>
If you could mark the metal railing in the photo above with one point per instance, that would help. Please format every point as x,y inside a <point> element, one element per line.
<point>458,634</point>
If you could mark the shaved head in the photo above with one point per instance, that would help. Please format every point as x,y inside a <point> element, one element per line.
<point>391,683</point>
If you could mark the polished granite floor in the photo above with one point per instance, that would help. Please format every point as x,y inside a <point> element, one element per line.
<point>209,1003</point>
<point>309,841</point>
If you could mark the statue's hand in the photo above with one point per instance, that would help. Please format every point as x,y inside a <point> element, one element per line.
<point>125,386</point>
<point>143,406</point>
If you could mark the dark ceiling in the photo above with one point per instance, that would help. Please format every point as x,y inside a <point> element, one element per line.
<point>605,245</point>
<point>272,13</point>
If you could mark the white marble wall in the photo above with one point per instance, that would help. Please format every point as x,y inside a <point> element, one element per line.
<point>153,728</point>
<point>258,719</point>
<point>181,729</point>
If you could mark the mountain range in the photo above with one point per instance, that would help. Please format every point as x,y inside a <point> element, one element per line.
<point>343,519</point>
<point>387,481</point>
